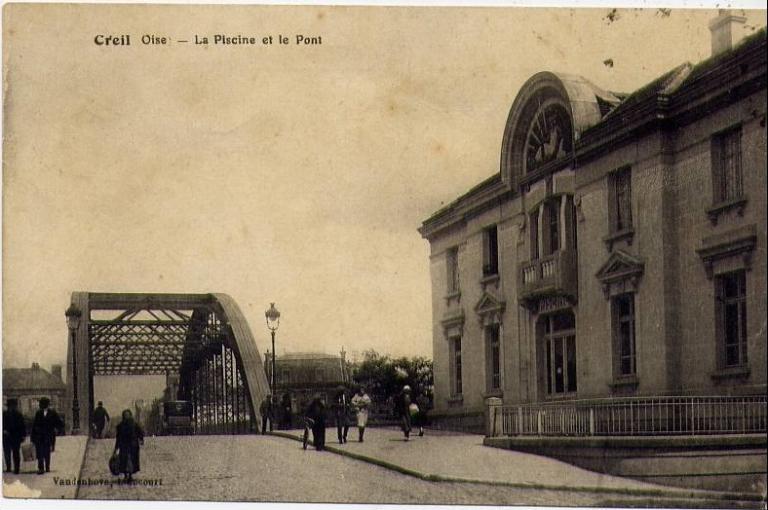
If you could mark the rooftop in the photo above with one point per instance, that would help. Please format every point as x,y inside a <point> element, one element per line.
<point>33,378</point>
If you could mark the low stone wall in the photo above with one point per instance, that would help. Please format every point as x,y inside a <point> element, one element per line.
<point>474,423</point>
<point>728,462</point>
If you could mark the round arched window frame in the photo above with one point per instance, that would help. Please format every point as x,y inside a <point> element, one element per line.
<point>549,134</point>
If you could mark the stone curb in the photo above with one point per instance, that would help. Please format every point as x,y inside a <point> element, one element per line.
<point>82,465</point>
<point>667,493</point>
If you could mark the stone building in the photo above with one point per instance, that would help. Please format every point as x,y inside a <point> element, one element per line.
<point>621,248</point>
<point>29,385</point>
<point>303,374</point>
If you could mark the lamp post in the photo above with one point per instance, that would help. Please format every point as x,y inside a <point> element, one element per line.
<point>73,322</point>
<point>273,322</point>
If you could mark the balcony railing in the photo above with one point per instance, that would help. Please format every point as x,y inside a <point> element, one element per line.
<point>637,416</point>
<point>552,275</point>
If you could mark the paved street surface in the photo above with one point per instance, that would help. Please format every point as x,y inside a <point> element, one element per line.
<point>65,465</point>
<point>464,456</point>
<point>266,468</point>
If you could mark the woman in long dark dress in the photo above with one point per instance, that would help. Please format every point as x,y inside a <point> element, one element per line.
<point>315,417</point>
<point>129,438</point>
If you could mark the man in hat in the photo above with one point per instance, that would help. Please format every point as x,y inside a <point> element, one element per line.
<point>14,432</point>
<point>266,409</point>
<point>100,419</point>
<point>341,408</point>
<point>44,428</point>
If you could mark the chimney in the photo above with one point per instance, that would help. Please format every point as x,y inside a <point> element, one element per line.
<point>56,371</point>
<point>726,29</point>
<point>35,365</point>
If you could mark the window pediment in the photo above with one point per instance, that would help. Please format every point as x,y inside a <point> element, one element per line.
<point>490,309</point>
<point>453,324</point>
<point>621,273</point>
<point>739,242</point>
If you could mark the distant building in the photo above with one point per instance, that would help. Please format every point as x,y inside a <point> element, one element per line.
<point>29,385</point>
<point>303,374</point>
<point>621,248</point>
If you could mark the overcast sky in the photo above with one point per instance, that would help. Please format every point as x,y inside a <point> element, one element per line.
<point>297,175</point>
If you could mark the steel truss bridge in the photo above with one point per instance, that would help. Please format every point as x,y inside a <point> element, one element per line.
<point>204,338</point>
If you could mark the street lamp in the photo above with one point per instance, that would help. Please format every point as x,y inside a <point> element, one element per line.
<point>273,322</point>
<point>73,315</point>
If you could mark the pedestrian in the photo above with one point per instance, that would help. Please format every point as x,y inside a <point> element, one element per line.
<point>308,422</point>
<point>422,400</point>
<point>14,432</point>
<point>100,419</point>
<point>44,427</point>
<point>360,403</point>
<point>315,418</point>
<point>341,408</point>
<point>128,439</point>
<point>286,412</point>
<point>403,410</point>
<point>267,414</point>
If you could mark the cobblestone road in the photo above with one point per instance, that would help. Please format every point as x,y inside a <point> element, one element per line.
<point>263,468</point>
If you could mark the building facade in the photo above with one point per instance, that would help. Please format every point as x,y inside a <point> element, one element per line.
<point>301,375</point>
<point>29,385</point>
<point>621,248</point>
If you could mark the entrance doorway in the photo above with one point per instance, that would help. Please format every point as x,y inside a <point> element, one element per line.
<point>557,358</point>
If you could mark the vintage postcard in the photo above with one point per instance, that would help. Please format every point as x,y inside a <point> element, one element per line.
<point>384,255</point>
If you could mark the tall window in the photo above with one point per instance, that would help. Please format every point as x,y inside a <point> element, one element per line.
<point>490,251</point>
<point>623,312</point>
<point>559,341</point>
<point>620,183</point>
<point>534,228</point>
<point>726,166</point>
<point>558,230</point>
<point>571,216</point>
<point>493,357</point>
<point>452,263</point>
<point>552,230</point>
<point>732,317</point>
<point>456,365</point>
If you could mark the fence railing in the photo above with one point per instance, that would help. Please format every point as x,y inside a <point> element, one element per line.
<point>633,416</point>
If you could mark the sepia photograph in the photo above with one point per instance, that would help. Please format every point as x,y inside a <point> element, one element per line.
<point>384,255</point>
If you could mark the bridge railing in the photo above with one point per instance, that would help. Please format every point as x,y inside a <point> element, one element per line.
<point>632,416</point>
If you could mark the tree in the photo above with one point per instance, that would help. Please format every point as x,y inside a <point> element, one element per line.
<point>384,377</point>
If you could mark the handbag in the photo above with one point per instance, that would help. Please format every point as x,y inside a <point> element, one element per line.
<point>28,452</point>
<point>114,464</point>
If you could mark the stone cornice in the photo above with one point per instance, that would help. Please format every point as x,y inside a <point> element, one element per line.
<point>487,194</point>
<point>734,76</point>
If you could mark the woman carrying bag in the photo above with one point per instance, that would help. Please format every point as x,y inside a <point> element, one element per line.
<point>128,440</point>
<point>360,403</point>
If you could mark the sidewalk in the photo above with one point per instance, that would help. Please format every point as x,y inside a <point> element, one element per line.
<point>65,466</point>
<point>462,457</point>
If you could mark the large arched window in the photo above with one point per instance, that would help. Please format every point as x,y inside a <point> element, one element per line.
<point>547,117</point>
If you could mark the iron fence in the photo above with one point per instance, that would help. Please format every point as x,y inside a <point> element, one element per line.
<point>636,416</point>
